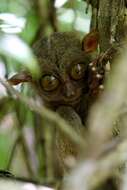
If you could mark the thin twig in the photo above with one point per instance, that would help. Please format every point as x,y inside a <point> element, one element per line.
<point>24,144</point>
<point>52,15</point>
<point>13,153</point>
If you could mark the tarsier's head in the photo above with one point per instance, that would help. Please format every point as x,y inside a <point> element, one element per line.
<point>63,61</point>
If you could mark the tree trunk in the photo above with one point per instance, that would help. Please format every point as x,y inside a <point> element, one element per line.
<point>109,18</point>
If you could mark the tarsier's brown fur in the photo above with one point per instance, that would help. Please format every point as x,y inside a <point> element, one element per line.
<point>63,85</point>
<point>57,56</point>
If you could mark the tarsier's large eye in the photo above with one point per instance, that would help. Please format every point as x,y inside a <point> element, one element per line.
<point>49,82</point>
<point>78,71</point>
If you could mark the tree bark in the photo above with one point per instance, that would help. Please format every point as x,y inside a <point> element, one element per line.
<point>109,18</point>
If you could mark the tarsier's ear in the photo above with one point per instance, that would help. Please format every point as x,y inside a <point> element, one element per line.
<point>21,77</point>
<point>90,42</point>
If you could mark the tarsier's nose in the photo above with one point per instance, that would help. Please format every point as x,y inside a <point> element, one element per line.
<point>69,90</point>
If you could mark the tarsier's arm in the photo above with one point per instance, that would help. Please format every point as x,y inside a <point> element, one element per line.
<point>65,148</point>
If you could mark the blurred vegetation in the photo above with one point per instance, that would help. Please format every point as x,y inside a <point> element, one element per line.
<point>27,127</point>
<point>21,23</point>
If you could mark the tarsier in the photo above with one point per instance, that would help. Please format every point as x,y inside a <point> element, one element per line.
<point>65,82</point>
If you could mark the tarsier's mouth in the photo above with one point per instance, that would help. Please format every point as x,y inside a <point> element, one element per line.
<point>71,101</point>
